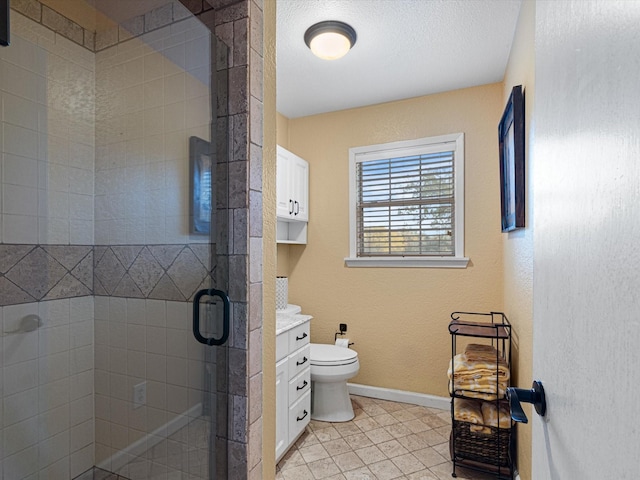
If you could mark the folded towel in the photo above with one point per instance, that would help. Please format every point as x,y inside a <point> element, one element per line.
<point>494,416</point>
<point>463,367</point>
<point>479,352</point>
<point>481,390</point>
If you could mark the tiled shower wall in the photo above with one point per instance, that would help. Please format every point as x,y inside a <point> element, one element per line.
<point>152,94</point>
<point>130,173</point>
<point>48,139</point>
<point>46,230</point>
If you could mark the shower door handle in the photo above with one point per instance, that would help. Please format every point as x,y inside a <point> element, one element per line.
<point>211,292</point>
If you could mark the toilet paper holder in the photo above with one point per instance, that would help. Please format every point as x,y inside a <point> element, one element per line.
<point>343,330</point>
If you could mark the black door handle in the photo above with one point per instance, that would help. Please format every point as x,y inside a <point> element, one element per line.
<point>302,417</point>
<point>304,360</point>
<point>291,207</point>
<point>303,385</point>
<point>211,292</point>
<point>535,396</point>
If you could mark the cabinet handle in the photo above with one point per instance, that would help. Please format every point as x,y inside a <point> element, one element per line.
<point>302,417</point>
<point>303,385</point>
<point>291,207</point>
<point>304,360</point>
<point>297,207</point>
<point>304,335</point>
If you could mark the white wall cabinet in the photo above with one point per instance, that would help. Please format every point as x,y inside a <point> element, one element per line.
<point>293,386</point>
<point>292,194</point>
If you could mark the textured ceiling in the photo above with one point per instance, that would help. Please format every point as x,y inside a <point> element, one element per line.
<point>405,48</point>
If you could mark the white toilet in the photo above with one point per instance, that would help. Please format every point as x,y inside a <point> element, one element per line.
<point>331,367</point>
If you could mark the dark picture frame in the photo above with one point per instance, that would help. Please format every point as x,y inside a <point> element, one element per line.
<point>511,144</point>
<point>201,184</point>
<point>4,23</point>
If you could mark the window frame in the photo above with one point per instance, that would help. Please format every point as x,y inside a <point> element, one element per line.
<point>443,143</point>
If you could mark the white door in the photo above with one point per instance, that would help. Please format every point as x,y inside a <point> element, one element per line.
<point>586,194</point>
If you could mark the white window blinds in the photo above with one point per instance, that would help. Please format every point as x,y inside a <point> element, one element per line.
<point>405,206</point>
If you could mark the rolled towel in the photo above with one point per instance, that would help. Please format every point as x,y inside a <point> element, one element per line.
<point>494,416</point>
<point>467,410</point>
<point>470,411</point>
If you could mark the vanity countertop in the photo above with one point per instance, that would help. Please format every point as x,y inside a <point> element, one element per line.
<point>285,322</point>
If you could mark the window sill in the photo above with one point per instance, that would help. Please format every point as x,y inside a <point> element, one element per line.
<point>409,262</point>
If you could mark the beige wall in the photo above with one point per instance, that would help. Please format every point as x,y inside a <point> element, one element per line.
<point>518,245</point>
<point>269,250</point>
<point>397,317</point>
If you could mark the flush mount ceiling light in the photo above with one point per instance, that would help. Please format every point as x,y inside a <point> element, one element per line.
<point>330,39</point>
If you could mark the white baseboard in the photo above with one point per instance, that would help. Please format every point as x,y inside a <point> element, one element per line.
<point>119,459</point>
<point>422,399</point>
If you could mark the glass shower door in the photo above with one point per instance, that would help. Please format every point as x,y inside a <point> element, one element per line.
<point>161,110</point>
<point>162,94</point>
<point>115,227</point>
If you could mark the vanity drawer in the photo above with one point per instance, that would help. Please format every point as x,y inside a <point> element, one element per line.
<point>299,336</point>
<point>299,415</point>
<point>299,385</point>
<point>282,346</point>
<point>299,360</point>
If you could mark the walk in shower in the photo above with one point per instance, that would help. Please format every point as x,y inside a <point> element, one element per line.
<point>123,200</point>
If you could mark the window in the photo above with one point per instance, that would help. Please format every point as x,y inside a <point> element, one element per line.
<point>407,203</point>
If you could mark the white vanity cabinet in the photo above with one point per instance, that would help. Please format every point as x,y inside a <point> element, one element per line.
<point>292,197</point>
<point>293,382</point>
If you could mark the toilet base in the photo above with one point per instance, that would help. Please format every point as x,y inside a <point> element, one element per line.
<point>330,402</point>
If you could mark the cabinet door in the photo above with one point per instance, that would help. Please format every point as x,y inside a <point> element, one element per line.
<point>282,408</point>
<point>292,184</point>
<point>284,200</point>
<point>299,174</point>
<point>299,415</point>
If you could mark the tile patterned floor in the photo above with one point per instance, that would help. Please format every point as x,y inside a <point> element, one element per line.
<point>386,440</point>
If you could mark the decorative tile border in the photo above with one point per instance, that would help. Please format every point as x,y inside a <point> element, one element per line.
<point>56,22</point>
<point>95,41</point>
<point>163,272</point>
<point>159,17</point>
<point>30,273</point>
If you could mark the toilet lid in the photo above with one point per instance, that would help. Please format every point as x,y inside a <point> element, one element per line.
<point>322,354</point>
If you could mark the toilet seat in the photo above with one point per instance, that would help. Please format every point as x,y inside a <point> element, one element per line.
<point>331,355</point>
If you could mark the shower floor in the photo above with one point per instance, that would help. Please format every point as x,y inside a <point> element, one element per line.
<point>181,456</point>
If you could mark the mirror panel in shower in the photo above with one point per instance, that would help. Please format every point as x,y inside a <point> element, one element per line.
<point>99,263</point>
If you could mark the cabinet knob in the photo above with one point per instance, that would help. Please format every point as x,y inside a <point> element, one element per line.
<point>534,396</point>
<point>304,384</point>
<point>304,360</point>
<point>305,413</point>
<point>302,337</point>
